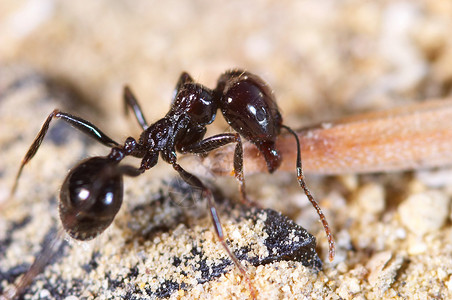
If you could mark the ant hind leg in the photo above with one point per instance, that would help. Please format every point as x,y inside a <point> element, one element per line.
<point>130,101</point>
<point>77,122</point>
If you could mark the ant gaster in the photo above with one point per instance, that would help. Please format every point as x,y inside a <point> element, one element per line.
<point>92,192</point>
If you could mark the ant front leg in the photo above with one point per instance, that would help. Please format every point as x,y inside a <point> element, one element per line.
<point>217,141</point>
<point>195,182</point>
<point>79,123</point>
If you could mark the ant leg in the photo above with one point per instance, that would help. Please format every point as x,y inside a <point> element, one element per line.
<point>130,101</point>
<point>300,178</point>
<point>50,249</point>
<point>195,182</point>
<point>183,78</point>
<point>79,123</point>
<point>217,141</point>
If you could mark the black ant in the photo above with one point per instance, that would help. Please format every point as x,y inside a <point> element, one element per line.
<point>91,194</point>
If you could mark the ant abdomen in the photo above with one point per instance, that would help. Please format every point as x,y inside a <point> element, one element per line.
<point>90,197</point>
<point>249,106</point>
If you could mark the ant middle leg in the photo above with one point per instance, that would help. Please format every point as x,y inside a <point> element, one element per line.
<point>77,122</point>
<point>196,182</point>
<point>217,141</point>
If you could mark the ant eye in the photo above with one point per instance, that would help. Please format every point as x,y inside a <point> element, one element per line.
<point>90,198</point>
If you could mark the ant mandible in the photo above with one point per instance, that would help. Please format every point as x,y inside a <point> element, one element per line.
<point>91,194</point>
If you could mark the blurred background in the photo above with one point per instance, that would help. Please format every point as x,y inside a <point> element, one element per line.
<point>322,58</point>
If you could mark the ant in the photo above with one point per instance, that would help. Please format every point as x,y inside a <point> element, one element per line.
<point>91,194</point>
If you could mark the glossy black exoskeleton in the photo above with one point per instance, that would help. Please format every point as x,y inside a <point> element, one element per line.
<point>92,192</point>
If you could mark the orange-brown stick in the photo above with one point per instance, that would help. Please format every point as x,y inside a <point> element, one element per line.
<point>412,137</point>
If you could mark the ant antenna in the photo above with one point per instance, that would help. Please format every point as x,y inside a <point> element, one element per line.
<point>300,178</point>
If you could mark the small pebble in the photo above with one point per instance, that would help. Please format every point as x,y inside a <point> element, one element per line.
<point>350,181</point>
<point>376,265</point>
<point>441,274</point>
<point>400,233</point>
<point>371,197</point>
<point>44,293</point>
<point>383,268</point>
<point>449,284</point>
<point>424,212</point>
<point>354,285</point>
<point>417,248</point>
<point>349,287</point>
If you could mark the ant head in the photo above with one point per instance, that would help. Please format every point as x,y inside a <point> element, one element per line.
<point>249,106</point>
<point>196,101</point>
<point>90,197</point>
